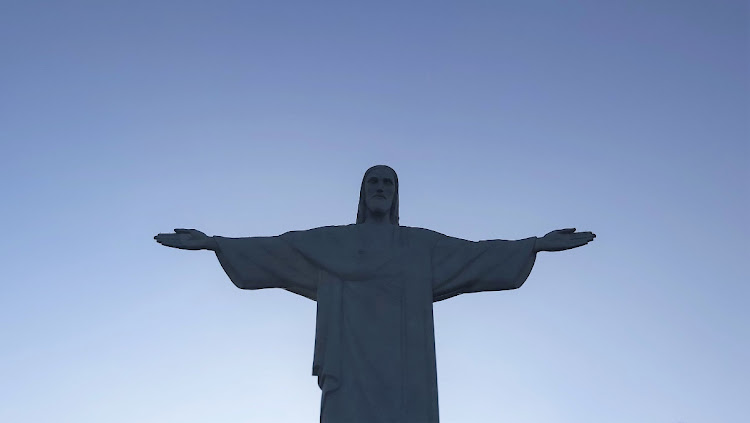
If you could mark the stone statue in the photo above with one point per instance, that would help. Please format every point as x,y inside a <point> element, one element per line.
<point>374,282</point>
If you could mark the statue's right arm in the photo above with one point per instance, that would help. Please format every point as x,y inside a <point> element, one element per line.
<point>188,239</point>
<point>255,262</point>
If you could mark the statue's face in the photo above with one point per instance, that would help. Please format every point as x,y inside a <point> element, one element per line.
<point>380,186</point>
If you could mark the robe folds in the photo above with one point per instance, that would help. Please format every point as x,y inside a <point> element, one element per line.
<point>375,341</point>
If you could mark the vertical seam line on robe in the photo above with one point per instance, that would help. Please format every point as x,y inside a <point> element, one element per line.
<point>403,363</point>
<point>436,397</point>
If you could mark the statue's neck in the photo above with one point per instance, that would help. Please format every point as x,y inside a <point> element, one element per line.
<point>377,222</point>
<point>377,218</point>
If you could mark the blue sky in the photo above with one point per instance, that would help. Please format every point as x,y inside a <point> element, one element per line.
<point>119,120</point>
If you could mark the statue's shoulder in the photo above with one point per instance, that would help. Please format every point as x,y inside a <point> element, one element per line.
<point>339,231</point>
<point>432,238</point>
<point>423,234</point>
<point>322,231</point>
<point>417,230</point>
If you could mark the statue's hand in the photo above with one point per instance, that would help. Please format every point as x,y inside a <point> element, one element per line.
<point>564,239</point>
<point>186,239</point>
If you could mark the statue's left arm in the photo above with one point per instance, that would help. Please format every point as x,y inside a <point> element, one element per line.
<point>460,266</point>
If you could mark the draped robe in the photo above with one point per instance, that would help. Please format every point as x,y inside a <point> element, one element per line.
<point>375,341</point>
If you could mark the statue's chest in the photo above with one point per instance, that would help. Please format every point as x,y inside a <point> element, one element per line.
<point>396,263</point>
<point>375,257</point>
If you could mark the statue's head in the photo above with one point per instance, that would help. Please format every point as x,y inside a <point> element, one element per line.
<point>379,194</point>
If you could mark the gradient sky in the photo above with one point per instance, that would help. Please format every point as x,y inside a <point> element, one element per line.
<point>503,119</point>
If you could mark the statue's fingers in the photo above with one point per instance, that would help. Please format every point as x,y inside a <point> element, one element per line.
<point>589,235</point>
<point>567,230</point>
<point>173,242</point>
<point>181,231</point>
<point>580,241</point>
<point>171,238</point>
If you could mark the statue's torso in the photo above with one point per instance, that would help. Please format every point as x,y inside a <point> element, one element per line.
<point>375,330</point>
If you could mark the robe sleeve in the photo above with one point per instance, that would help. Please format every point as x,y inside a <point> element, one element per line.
<point>269,262</point>
<point>460,266</point>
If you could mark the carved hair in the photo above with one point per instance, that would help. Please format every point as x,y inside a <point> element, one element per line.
<point>362,210</point>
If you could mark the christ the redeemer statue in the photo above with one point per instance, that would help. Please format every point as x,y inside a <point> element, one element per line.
<point>375,282</point>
